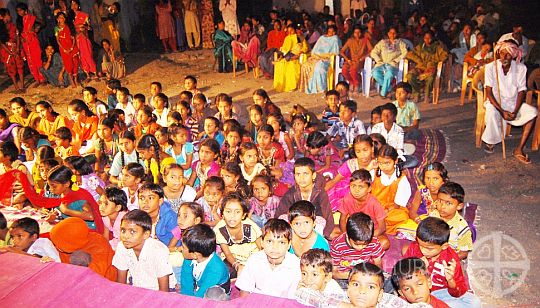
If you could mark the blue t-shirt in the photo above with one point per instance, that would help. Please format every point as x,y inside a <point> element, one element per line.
<point>168,220</point>
<point>320,243</point>
<point>78,206</point>
<point>214,274</point>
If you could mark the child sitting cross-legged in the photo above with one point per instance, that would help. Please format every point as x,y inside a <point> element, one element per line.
<point>237,235</point>
<point>202,268</point>
<point>302,220</point>
<point>410,277</point>
<point>263,204</point>
<point>449,202</point>
<point>360,199</point>
<point>164,219</point>
<point>145,258</point>
<point>213,191</point>
<point>273,271</point>
<point>356,245</point>
<point>443,264</point>
<point>25,240</point>
<point>316,285</point>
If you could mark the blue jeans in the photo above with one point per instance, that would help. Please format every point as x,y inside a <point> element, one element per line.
<point>383,75</point>
<point>467,300</point>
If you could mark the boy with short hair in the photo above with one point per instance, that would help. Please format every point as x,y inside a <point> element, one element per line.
<point>443,264</point>
<point>308,186</point>
<point>316,284</point>
<point>161,111</point>
<point>388,128</point>
<point>213,191</point>
<point>96,106</point>
<point>342,88</point>
<point>360,199</point>
<point>190,84</point>
<point>348,127</point>
<point>273,271</point>
<point>202,268</point>
<point>62,139</point>
<point>375,118</point>
<point>155,89</point>
<point>212,131</point>
<point>145,258</point>
<point>355,246</point>
<point>408,115</point>
<point>330,114</point>
<point>124,103</point>
<point>112,87</point>
<point>25,240</point>
<point>449,201</point>
<point>139,101</point>
<point>411,280</point>
<point>164,219</point>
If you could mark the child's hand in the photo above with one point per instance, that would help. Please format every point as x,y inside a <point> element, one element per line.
<point>372,165</point>
<point>46,259</point>
<point>449,269</point>
<point>63,207</point>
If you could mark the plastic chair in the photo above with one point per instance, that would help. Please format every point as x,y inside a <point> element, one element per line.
<point>536,131</point>
<point>465,81</point>
<point>367,74</point>
<point>246,66</point>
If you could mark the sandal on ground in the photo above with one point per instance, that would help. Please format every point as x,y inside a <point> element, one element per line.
<point>488,148</point>
<point>522,158</point>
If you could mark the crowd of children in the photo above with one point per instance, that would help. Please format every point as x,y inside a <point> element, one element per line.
<point>173,196</point>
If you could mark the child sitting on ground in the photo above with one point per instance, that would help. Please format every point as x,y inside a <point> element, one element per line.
<point>450,201</point>
<point>25,239</point>
<point>249,157</point>
<point>62,139</point>
<point>263,204</point>
<point>176,192</point>
<point>213,192</point>
<point>164,220</point>
<point>145,258</point>
<point>302,220</point>
<point>411,279</point>
<point>360,199</point>
<point>408,115</point>
<point>433,177</point>
<point>273,271</point>
<point>212,130</point>
<point>343,132</point>
<point>317,282</point>
<point>202,268</point>
<point>5,237</point>
<point>237,235</point>
<point>113,207</point>
<point>132,178</point>
<point>190,84</point>
<point>330,114</point>
<point>375,118</point>
<point>355,246</point>
<point>443,263</point>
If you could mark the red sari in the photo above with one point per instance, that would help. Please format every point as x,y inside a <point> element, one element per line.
<point>83,43</point>
<point>68,50</point>
<point>10,53</point>
<point>31,47</point>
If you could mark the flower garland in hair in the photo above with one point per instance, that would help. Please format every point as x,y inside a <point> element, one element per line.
<point>74,185</point>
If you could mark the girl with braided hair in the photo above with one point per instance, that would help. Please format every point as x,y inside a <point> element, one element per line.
<point>106,146</point>
<point>154,158</point>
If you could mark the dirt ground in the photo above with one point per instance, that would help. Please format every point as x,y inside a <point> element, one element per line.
<point>507,192</point>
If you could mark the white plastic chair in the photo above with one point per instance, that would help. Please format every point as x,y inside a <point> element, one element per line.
<point>367,74</point>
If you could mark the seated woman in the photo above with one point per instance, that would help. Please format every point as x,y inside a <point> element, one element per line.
<point>273,43</point>
<point>53,68</point>
<point>50,120</point>
<point>315,70</point>
<point>355,52</point>
<point>479,55</point>
<point>466,41</point>
<point>246,48</point>
<point>222,49</point>
<point>287,65</point>
<point>112,61</point>
<point>425,56</point>
<point>386,55</point>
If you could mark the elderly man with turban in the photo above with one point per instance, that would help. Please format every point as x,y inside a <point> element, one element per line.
<point>505,84</point>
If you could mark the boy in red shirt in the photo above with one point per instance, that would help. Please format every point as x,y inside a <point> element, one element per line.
<point>447,279</point>
<point>411,279</point>
<point>360,199</point>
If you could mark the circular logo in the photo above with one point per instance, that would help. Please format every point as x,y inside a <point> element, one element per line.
<point>498,265</point>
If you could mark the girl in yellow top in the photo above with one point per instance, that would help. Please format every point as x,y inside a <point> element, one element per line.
<point>391,187</point>
<point>50,120</point>
<point>155,160</point>
<point>21,113</point>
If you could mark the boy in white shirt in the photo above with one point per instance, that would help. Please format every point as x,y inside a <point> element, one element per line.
<point>124,103</point>
<point>146,258</point>
<point>273,271</point>
<point>25,240</point>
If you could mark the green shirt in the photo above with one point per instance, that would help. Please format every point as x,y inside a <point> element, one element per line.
<point>407,114</point>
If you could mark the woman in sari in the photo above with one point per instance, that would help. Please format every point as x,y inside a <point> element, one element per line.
<point>287,65</point>
<point>315,70</point>
<point>110,27</point>
<point>68,48</point>
<point>8,131</point>
<point>222,48</point>
<point>82,23</point>
<point>21,113</point>
<point>246,48</point>
<point>112,62</point>
<point>50,120</point>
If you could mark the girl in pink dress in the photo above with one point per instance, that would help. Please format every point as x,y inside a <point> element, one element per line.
<point>165,25</point>
<point>323,153</point>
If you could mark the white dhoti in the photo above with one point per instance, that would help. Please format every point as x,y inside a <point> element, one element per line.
<point>496,125</point>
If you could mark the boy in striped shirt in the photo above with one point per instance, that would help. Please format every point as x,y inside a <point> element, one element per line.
<point>357,245</point>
